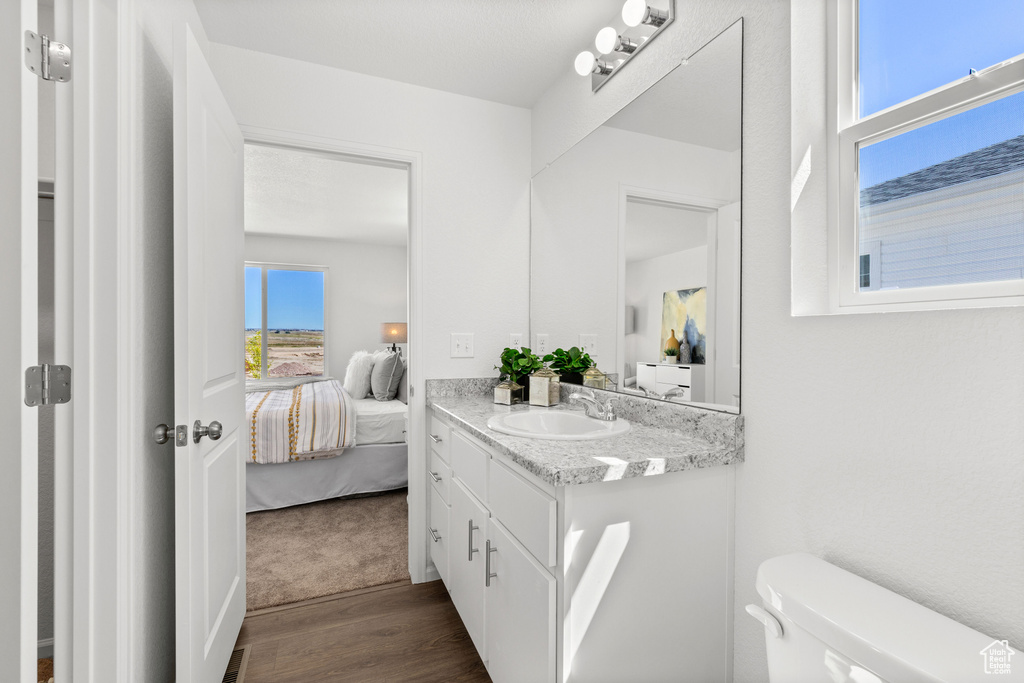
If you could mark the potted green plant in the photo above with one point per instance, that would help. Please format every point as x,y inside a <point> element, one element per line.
<point>569,364</point>
<point>517,365</point>
<point>671,355</point>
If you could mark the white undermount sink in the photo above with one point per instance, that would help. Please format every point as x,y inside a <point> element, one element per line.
<point>556,424</point>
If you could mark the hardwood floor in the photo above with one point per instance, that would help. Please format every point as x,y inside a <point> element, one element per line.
<point>396,633</point>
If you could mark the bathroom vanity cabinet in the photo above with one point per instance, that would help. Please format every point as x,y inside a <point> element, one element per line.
<point>623,578</point>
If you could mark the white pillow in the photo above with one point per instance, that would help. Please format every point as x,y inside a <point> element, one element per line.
<point>357,374</point>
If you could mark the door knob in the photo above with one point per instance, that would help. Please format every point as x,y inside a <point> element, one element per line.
<point>213,431</point>
<point>162,433</point>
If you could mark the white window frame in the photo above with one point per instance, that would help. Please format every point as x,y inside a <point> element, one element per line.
<point>846,130</point>
<point>264,267</point>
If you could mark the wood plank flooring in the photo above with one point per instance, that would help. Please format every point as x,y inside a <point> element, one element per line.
<point>396,633</point>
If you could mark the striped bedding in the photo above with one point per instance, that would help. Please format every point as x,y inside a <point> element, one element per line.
<point>302,423</point>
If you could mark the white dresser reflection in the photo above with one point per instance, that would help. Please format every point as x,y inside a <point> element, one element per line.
<point>663,377</point>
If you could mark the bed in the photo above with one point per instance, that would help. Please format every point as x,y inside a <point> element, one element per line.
<point>313,442</point>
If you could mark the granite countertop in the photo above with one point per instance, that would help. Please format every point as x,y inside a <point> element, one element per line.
<point>642,451</point>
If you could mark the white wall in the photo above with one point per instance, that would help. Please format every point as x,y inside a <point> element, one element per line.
<point>646,284</point>
<point>476,170</point>
<point>366,286</point>
<point>887,444</point>
<point>575,244</point>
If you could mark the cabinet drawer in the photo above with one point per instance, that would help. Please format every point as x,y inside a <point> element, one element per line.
<point>528,513</point>
<point>437,529</point>
<point>469,464</point>
<point>679,376</point>
<point>440,475</point>
<point>439,436</point>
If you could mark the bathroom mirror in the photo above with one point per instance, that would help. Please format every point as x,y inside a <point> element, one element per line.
<point>635,237</point>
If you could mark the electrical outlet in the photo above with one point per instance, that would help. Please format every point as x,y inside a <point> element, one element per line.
<point>515,340</point>
<point>542,345</point>
<point>462,345</point>
<point>588,342</point>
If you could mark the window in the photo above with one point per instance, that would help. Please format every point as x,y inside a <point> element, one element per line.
<point>928,152</point>
<point>284,321</point>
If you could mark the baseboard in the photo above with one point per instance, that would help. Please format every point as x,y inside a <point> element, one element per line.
<point>44,648</point>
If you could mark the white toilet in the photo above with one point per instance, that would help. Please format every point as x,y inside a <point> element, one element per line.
<point>824,624</point>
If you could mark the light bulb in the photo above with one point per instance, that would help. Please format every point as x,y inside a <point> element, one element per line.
<point>606,40</point>
<point>585,62</point>
<point>634,12</point>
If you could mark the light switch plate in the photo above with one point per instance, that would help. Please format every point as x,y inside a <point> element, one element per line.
<point>515,340</point>
<point>588,342</point>
<point>542,345</point>
<point>462,344</point>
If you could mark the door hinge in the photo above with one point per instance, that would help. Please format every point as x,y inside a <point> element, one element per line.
<point>49,60</point>
<point>47,384</point>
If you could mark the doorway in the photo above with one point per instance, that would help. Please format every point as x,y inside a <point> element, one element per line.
<point>328,359</point>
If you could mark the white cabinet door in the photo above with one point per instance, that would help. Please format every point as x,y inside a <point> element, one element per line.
<point>520,612</point>
<point>440,541</point>
<point>467,531</point>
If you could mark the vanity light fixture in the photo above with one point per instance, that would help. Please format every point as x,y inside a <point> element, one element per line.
<point>587,63</point>
<point>609,40</point>
<point>623,38</point>
<point>636,12</point>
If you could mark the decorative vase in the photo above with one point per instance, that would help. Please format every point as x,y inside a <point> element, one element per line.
<point>671,342</point>
<point>684,351</point>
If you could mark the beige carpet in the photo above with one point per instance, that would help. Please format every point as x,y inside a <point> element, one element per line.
<point>334,546</point>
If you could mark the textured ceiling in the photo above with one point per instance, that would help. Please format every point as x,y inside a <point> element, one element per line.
<point>506,51</point>
<point>304,194</point>
<point>655,229</point>
<point>698,102</point>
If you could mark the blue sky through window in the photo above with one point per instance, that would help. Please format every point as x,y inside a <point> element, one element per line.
<point>295,299</point>
<point>908,47</point>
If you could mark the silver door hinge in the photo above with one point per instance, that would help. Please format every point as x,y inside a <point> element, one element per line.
<point>47,384</point>
<point>48,59</point>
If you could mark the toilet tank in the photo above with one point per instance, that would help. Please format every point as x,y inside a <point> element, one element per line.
<point>838,627</point>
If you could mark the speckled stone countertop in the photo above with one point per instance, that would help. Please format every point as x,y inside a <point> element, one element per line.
<point>644,450</point>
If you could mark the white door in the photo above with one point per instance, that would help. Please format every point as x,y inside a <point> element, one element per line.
<point>209,476</point>
<point>468,529</point>
<point>727,307</point>
<point>18,345</point>
<point>520,613</point>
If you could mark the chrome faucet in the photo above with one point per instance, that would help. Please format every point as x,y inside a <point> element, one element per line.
<point>673,392</point>
<point>594,407</point>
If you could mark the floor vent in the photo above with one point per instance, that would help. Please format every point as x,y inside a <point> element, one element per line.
<point>236,665</point>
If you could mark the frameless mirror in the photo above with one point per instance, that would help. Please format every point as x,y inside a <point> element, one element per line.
<point>635,238</point>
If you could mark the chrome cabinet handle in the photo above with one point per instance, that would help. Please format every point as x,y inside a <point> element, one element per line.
<point>472,550</point>
<point>433,475</point>
<point>435,438</point>
<point>487,573</point>
<point>214,431</point>
<point>434,534</point>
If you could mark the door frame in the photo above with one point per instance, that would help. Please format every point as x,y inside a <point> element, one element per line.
<point>98,266</point>
<point>709,205</point>
<point>420,568</point>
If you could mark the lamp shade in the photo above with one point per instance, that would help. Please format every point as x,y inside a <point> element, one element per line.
<point>394,333</point>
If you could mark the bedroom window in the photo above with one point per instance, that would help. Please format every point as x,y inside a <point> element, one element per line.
<point>927,117</point>
<point>284,321</point>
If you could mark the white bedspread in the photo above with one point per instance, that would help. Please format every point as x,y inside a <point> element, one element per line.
<point>300,423</point>
<point>380,421</point>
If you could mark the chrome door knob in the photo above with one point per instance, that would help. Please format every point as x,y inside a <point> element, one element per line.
<point>162,433</point>
<point>213,431</point>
